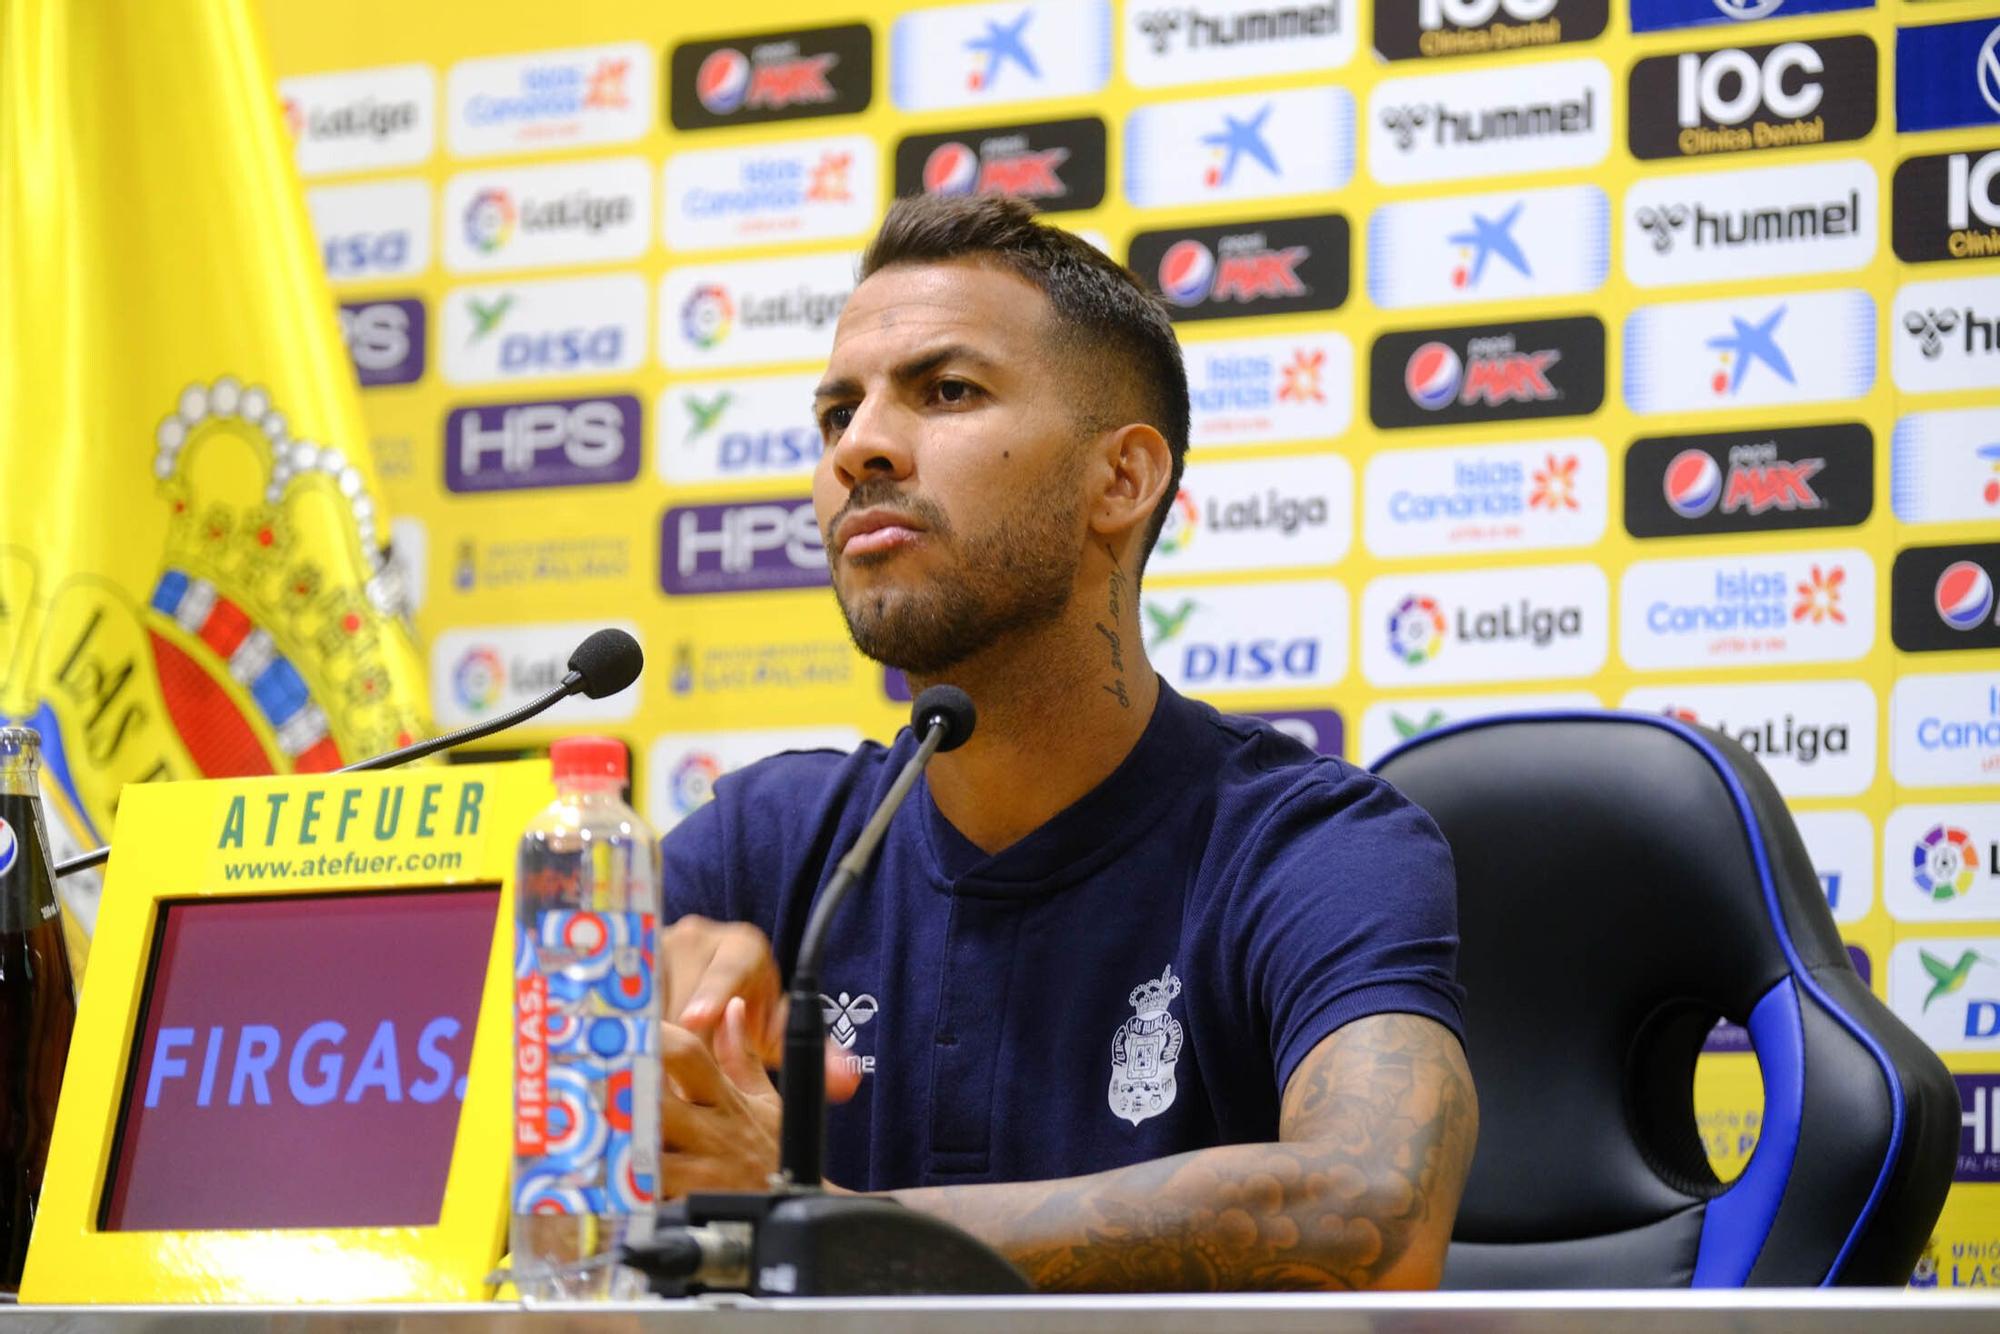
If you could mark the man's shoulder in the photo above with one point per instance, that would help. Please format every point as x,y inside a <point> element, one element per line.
<point>1263,766</point>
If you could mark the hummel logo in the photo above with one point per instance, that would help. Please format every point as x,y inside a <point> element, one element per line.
<point>1662,223</point>
<point>845,1015</point>
<point>1404,122</point>
<point>1929,328</point>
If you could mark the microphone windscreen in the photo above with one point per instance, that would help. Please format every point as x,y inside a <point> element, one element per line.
<point>608,661</point>
<point>949,705</point>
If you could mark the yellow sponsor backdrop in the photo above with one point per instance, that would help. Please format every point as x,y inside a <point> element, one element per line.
<point>777,659</point>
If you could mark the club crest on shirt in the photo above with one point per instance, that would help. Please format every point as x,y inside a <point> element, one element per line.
<point>1144,1051</point>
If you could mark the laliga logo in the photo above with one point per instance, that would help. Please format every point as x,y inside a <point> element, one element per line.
<point>693,782</point>
<point>1946,861</point>
<point>479,678</point>
<point>1964,595</point>
<point>1182,519</point>
<point>1416,630</point>
<point>707,314</point>
<point>489,220</point>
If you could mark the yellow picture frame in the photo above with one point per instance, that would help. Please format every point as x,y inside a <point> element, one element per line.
<point>175,842</point>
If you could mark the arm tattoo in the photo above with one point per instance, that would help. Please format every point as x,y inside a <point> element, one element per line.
<point>1378,1128</point>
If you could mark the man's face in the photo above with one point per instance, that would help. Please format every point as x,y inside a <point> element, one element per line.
<point>950,493</point>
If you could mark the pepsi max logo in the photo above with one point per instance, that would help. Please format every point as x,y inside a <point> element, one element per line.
<point>1750,481</point>
<point>1249,269</point>
<point>1964,595</point>
<point>771,76</point>
<point>1941,599</point>
<point>10,847</point>
<point>1487,372</point>
<point>1059,164</point>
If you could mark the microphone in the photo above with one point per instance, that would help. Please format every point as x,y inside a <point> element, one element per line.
<point>943,717</point>
<point>797,1240</point>
<point>603,664</point>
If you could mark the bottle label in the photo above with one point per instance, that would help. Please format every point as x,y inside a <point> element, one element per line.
<point>586,1064</point>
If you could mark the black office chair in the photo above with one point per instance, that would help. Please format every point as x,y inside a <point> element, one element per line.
<point>1623,880</point>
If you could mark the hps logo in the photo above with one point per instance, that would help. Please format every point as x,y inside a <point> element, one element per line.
<point>385,340</point>
<point>771,76</point>
<point>1753,98</point>
<point>547,443</point>
<point>741,547</point>
<point>1748,481</point>
<point>1437,29</point>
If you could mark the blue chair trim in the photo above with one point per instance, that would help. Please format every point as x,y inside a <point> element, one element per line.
<point>1805,979</point>
<point>1738,1222</point>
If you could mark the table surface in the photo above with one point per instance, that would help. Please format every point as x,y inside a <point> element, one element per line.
<point>1852,1311</point>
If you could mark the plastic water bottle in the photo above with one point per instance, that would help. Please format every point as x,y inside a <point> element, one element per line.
<point>586,1034</point>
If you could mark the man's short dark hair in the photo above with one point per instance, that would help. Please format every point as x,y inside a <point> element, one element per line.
<point>1107,322</point>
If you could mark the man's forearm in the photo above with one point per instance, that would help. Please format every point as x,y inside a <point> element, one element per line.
<point>1378,1125</point>
<point>1241,1216</point>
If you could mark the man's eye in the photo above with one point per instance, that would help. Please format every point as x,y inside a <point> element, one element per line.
<point>836,419</point>
<point>954,391</point>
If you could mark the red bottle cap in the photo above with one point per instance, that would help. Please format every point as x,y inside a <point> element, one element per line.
<point>588,757</point>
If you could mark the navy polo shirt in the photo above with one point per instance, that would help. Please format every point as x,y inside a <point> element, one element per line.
<point>1136,978</point>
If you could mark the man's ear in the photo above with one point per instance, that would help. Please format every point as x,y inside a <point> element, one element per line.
<point>1140,465</point>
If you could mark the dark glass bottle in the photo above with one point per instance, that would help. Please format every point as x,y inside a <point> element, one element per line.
<point>37,1001</point>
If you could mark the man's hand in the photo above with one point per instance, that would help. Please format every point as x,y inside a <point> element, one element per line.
<point>719,1112</point>
<point>708,964</point>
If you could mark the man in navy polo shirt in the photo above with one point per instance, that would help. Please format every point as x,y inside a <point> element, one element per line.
<point>1143,995</point>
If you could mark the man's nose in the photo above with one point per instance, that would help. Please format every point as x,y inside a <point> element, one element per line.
<point>875,444</point>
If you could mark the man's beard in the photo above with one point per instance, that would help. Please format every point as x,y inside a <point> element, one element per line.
<point>1013,578</point>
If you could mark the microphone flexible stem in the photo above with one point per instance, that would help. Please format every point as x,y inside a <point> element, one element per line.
<point>805,972</point>
<point>802,1077</point>
<point>571,683</point>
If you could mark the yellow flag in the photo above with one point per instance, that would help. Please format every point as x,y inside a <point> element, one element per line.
<point>193,570</point>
